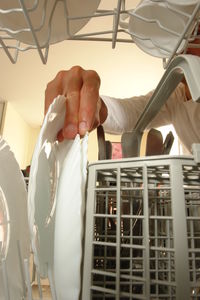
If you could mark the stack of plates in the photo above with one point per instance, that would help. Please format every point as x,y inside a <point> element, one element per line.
<point>156,27</point>
<point>14,235</point>
<point>48,19</point>
<point>56,204</point>
<point>186,6</point>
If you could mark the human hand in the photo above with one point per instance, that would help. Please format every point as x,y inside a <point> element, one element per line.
<point>194,46</point>
<point>193,49</point>
<point>85,110</point>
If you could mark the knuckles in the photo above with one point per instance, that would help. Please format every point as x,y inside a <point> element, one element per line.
<point>90,76</point>
<point>76,70</point>
<point>93,75</point>
<point>60,83</point>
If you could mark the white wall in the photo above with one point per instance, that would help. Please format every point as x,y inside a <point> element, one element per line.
<point>19,135</point>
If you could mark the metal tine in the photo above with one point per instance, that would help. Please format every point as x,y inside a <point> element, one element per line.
<point>27,279</point>
<point>21,268</point>
<point>5,279</point>
<point>52,286</point>
<point>187,66</point>
<point>39,286</point>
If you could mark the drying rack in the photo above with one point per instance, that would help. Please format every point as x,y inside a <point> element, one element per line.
<point>142,236</point>
<point>105,179</point>
<point>115,32</point>
<point>142,229</point>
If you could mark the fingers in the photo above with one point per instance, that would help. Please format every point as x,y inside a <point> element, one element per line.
<point>72,88</point>
<point>81,89</point>
<point>53,89</point>
<point>89,104</point>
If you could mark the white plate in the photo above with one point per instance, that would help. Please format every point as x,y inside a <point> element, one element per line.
<point>52,177</point>
<point>14,233</point>
<point>150,48</point>
<point>152,37</point>
<point>185,6</point>
<point>183,2</point>
<point>69,222</point>
<point>45,170</point>
<point>48,20</point>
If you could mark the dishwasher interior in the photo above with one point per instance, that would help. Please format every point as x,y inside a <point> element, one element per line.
<point>142,220</point>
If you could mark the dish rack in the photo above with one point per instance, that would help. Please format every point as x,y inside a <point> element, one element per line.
<point>142,237</point>
<point>142,234</point>
<point>115,32</point>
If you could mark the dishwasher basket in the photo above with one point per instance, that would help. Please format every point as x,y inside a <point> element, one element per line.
<point>142,237</point>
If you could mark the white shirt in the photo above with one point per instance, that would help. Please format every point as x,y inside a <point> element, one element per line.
<point>182,113</point>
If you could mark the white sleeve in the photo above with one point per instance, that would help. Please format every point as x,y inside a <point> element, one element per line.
<point>124,113</point>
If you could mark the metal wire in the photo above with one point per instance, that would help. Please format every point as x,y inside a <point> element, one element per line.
<point>114,33</point>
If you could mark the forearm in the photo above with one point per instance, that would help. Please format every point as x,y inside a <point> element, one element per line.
<point>124,113</point>
<point>103,114</point>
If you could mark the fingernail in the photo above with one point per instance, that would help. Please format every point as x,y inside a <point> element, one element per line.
<point>60,136</point>
<point>83,127</point>
<point>70,131</point>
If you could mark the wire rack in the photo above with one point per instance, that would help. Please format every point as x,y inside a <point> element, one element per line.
<point>143,229</point>
<point>136,244</point>
<point>115,31</point>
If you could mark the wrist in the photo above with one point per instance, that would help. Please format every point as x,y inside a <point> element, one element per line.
<point>103,112</point>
